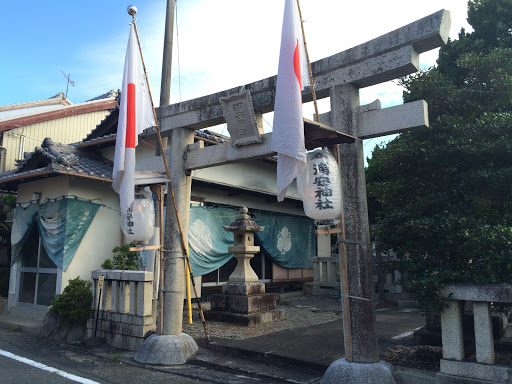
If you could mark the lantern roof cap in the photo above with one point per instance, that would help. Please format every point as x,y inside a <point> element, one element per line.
<point>243,223</point>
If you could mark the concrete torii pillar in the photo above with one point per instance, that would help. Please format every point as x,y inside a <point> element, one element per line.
<point>344,105</point>
<point>174,346</point>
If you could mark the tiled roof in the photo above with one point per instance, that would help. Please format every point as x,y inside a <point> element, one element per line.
<point>57,159</point>
<point>107,127</point>
<point>208,135</point>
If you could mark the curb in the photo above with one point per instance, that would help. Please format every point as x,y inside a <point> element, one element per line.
<point>269,357</point>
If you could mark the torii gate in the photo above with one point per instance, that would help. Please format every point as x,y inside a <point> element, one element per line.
<point>339,77</point>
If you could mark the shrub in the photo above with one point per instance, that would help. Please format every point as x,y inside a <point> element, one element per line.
<point>123,259</point>
<point>74,304</point>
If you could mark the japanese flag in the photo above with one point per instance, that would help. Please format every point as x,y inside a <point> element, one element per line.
<point>135,115</point>
<point>292,76</point>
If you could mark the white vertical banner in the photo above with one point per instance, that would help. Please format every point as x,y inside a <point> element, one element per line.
<point>135,115</point>
<point>292,76</point>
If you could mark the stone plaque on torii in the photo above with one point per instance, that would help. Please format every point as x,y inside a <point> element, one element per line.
<point>339,77</point>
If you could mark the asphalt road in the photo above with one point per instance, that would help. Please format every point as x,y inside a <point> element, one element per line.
<point>29,359</point>
<point>86,368</point>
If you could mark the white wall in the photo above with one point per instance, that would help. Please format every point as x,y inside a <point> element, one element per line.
<point>103,234</point>
<point>50,188</point>
<point>251,175</point>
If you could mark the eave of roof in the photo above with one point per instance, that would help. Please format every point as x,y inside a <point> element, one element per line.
<point>98,142</point>
<point>10,183</point>
<point>71,110</point>
<point>37,103</point>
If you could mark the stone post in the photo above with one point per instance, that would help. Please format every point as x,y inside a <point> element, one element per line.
<point>452,330</point>
<point>484,339</point>
<point>344,103</point>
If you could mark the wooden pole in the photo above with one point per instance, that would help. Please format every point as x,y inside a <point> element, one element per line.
<point>345,301</point>
<point>189,301</point>
<point>310,72</point>
<point>184,244</point>
<point>161,291</point>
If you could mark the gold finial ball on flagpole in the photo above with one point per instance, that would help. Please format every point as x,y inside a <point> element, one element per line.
<point>132,10</point>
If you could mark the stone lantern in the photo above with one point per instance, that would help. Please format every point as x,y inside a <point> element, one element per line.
<point>243,249</point>
<point>243,300</point>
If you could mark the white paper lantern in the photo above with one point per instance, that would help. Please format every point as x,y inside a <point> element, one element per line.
<point>319,186</point>
<point>138,223</point>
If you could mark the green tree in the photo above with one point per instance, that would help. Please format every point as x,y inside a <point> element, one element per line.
<point>442,197</point>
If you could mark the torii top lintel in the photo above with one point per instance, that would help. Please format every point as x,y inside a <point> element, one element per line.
<point>384,58</point>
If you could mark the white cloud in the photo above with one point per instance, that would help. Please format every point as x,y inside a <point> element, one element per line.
<point>228,43</point>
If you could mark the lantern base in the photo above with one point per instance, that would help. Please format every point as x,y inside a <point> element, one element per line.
<point>247,320</point>
<point>244,304</point>
<point>233,288</point>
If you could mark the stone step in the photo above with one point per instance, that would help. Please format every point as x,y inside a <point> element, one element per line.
<point>27,313</point>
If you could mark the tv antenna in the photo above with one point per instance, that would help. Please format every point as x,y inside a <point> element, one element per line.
<point>69,81</point>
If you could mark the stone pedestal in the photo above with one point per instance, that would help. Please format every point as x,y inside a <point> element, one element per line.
<point>244,304</point>
<point>243,300</point>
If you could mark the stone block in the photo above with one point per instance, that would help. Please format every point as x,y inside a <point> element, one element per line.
<point>246,319</point>
<point>488,373</point>
<point>451,328</point>
<point>120,318</point>
<point>106,297</point>
<point>133,298</point>
<point>244,126</point>
<point>243,304</point>
<point>114,274</point>
<point>95,275</point>
<point>144,298</point>
<point>114,298</point>
<point>125,329</point>
<point>136,276</point>
<point>255,288</point>
<point>484,341</point>
<point>498,293</point>
<point>124,297</point>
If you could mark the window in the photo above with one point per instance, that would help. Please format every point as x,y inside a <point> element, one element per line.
<point>37,276</point>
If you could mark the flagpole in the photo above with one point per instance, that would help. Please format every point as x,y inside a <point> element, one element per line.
<point>317,117</point>
<point>184,244</point>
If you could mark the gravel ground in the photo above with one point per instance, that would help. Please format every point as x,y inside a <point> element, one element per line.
<point>301,311</point>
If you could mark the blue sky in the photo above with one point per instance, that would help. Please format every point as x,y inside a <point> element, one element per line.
<point>222,43</point>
